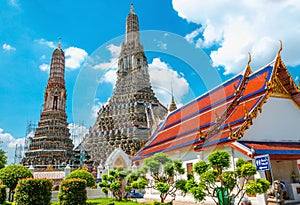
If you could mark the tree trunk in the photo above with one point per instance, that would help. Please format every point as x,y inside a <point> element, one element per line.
<point>162,198</point>
<point>10,196</point>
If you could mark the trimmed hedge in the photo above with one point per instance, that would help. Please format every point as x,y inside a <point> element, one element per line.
<point>72,192</point>
<point>2,194</point>
<point>33,192</point>
<point>83,174</point>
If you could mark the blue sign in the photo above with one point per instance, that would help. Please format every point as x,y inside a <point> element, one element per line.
<point>262,162</point>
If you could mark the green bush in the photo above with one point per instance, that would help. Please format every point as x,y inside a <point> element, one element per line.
<point>10,176</point>
<point>161,203</point>
<point>33,192</point>
<point>2,193</point>
<point>83,174</point>
<point>72,192</point>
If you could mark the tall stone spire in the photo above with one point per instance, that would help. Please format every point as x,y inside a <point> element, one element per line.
<point>127,120</point>
<point>132,28</point>
<point>51,143</point>
<point>173,105</point>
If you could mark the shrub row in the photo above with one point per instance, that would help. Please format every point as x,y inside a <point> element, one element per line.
<point>33,192</point>
<point>29,191</point>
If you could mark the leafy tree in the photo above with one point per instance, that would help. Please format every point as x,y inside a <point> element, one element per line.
<point>3,159</point>
<point>83,174</point>
<point>215,181</point>
<point>115,182</point>
<point>10,176</point>
<point>164,172</point>
<point>72,192</point>
<point>33,192</point>
<point>135,180</point>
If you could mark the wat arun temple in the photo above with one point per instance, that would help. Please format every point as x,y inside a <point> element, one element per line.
<point>127,120</point>
<point>51,144</point>
<point>125,123</point>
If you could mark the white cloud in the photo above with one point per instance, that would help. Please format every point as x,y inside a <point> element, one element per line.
<point>50,44</point>
<point>75,57</point>
<point>162,77</point>
<point>233,28</point>
<point>162,45</point>
<point>190,37</point>
<point>109,77</point>
<point>8,47</point>
<point>107,65</point>
<point>14,3</point>
<point>9,144</point>
<point>157,69</point>
<point>113,62</point>
<point>77,132</point>
<point>114,50</point>
<point>96,107</point>
<point>44,67</point>
<point>43,57</point>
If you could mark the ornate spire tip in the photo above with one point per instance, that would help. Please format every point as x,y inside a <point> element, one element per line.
<point>131,8</point>
<point>59,42</point>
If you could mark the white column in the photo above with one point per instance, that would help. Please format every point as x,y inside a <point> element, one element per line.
<point>31,169</point>
<point>67,170</point>
<point>99,171</point>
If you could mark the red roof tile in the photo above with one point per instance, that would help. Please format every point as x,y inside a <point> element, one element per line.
<point>217,115</point>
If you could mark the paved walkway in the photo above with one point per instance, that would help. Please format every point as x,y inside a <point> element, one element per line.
<point>145,200</point>
<point>176,202</point>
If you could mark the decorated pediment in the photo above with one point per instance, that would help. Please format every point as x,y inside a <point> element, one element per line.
<point>278,89</point>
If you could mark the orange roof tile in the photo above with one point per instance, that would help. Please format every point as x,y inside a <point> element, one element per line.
<point>218,114</point>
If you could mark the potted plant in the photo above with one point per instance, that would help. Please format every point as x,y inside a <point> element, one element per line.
<point>295,177</point>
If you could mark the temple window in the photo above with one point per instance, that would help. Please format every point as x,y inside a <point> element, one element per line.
<point>55,103</point>
<point>189,168</point>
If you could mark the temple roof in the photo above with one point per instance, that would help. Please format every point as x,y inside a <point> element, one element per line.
<point>224,113</point>
<point>276,150</point>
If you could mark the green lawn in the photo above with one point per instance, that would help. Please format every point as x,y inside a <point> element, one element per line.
<point>105,201</point>
<point>100,201</point>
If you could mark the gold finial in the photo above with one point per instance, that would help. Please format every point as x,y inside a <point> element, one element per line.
<point>59,43</point>
<point>131,8</point>
<point>249,59</point>
<point>280,48</point>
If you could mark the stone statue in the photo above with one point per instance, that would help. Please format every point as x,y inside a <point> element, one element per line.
<point>275,194</point>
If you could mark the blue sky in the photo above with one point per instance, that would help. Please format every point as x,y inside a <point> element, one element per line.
<point>193,45</point>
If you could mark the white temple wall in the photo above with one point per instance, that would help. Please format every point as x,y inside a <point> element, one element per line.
<point>282,169</point>
<point>279,121</point>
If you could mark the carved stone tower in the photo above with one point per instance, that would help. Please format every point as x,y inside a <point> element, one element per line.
<point>173,105</point>
<point>127,120</point>
<point>51,143</point>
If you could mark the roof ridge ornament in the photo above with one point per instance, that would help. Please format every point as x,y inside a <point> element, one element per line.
<point>280,48</point>
<point>248,70</point>
<point>249,59</point>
